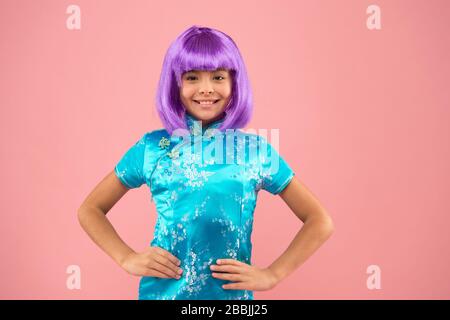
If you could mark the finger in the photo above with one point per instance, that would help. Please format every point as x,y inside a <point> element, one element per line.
<point>235,286</point>
<point>164,269</point>
<point>228,276</point>
<point>168,263</point>
<point>155,273</point>
<point>168,255</point>
<point>231,261</point>
<point>227,268</point>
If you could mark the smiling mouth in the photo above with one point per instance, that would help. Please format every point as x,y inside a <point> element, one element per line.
<point>207,103</point>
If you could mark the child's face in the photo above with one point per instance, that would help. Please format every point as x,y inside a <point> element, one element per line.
<point>206,85</point>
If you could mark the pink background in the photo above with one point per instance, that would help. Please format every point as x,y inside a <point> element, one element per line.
<point>363,118</point>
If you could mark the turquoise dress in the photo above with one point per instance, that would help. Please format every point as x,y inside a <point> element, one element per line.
<point>204,201</point>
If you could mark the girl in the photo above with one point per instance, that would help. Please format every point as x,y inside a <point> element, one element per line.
<point>201,247</point>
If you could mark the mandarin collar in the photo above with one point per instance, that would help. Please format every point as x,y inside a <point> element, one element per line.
<point>197,128</point>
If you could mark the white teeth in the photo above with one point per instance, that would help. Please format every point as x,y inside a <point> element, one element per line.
<point>206,102</point>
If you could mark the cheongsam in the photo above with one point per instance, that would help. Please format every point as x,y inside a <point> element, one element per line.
<point>204,204</point>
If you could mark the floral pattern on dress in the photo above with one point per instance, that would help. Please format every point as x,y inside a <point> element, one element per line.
<point>204,209</point>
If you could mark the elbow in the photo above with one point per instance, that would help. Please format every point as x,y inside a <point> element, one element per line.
<point>328,225</point>
<point>82,213</point>
<point>85,211</point>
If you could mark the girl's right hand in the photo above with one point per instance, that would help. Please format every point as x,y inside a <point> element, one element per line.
<point>152,262</point>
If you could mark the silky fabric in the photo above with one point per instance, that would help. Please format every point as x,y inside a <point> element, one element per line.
<point>204,201</point>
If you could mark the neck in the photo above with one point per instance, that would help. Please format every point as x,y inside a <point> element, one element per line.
<point>206,123</point>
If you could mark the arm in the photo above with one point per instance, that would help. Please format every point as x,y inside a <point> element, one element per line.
<point>317,228</point>
<point>92,217</point>
<point>152,262</point>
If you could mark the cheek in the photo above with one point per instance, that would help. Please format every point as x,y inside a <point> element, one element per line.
<point>186,93</point>
<point>225,90</point>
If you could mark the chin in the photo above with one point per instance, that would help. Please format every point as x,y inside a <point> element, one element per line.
<point>206,113</point>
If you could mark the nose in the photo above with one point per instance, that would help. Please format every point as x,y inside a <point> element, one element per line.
<point>206,91</point>
<point>206,88</point>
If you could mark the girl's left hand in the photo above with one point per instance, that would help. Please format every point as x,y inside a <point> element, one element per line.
<point>245,276</point>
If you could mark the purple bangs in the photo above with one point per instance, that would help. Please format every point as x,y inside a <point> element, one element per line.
<point>201,48</point>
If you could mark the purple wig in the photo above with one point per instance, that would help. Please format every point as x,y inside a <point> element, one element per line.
<point>201,48</point>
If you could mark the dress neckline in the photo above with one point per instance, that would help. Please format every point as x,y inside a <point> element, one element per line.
<point>196,127</point>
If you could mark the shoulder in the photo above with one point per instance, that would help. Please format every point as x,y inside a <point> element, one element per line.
<point>153,137</point>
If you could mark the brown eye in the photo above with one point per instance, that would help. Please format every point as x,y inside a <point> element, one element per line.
<point>220,77</point>
<point>190,77</point>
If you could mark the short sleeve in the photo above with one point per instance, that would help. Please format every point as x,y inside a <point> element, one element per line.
<point>275,171</point>
<point>129,169</point>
